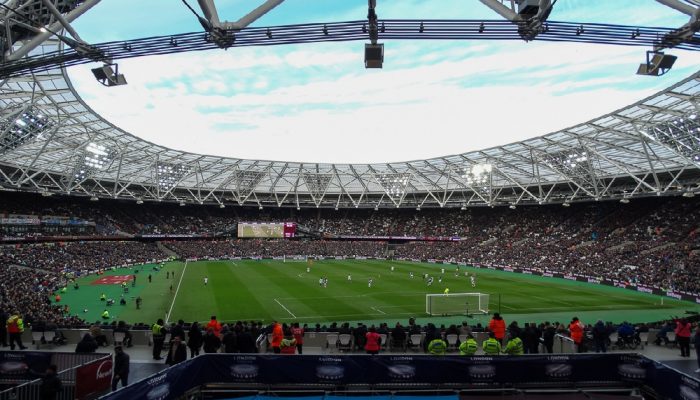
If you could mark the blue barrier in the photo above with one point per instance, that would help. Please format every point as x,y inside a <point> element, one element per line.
<point>405,370</point>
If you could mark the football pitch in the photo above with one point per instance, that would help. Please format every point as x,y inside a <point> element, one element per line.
<point>275,290</point>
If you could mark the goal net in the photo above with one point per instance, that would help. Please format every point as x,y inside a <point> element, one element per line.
<point>457,304</point>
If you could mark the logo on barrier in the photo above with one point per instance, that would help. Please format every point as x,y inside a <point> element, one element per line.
<point>558,370</point>
<point>482,372</point>
<point>104,370</point>
<point>245,371</point>
<point>159,392</point>
<point>631,372</point>
<point>330,370</point>
<point>13,367</point>
<point>401,371</point>
<point>688,393</point>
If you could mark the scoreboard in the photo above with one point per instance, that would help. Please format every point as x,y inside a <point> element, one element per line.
<point>267,229</point>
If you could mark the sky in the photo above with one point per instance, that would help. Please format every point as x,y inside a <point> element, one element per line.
<point>317,102</point>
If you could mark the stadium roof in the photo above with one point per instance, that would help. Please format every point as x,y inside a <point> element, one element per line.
<point>52,142</point>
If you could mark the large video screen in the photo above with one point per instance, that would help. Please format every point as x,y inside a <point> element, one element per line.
<point>266,229</point>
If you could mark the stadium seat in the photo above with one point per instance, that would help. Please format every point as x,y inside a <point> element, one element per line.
<point>613,339</point>
<point>644,337</point>
<point>462,338</point>
<point>36,338</point>
<point>385,340</point>
<point>331,341</point>
<point>451,342</point>
<point>345,342</point>
<point>414,341</point>
<point>119,338</point>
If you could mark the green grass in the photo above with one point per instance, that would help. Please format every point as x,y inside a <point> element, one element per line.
<point>270,289</point>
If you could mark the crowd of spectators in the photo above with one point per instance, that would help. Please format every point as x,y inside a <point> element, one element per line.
<point>276,248</point>
<point>79,256</point>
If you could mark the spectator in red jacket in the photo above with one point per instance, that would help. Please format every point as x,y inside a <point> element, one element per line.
<point>214,325</point>
<point>277,336</point>
<point>298,333</point>
<point>576,332</point>
<point>374,341</point>
<point>683,328</point>
<point>498,326</point>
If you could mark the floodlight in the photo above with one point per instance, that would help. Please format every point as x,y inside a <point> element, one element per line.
<point>512,207</point>
<point>182,204</point>
<point>222,206</point>
<point>374,55</point>
<point>94,198</point>
<point>260,208</point>
<point>139,201</point>
<point>566,204</point>
<point>46,193</point>
<point>657,64</point>
<point>689,194</point>
<point>624,200</point>
<point>108,76</point>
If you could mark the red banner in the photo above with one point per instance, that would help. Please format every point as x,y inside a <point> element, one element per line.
<point>94,379</point>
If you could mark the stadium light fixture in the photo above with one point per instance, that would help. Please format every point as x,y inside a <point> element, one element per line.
<point>109,76</point>
<point>689,195</point>
<point>222,205</point>
<point>139,201</point>
<point>94,198</point>
<point>418,208</point>
<point>624,200</point>
<point>182,204</point>
<point>512,206</point>
<point>657,64</point>
<point>260,207</point>
<point>566,204</point>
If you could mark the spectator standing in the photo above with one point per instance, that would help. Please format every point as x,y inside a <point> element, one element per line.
<point>211,341</point>
<point>373,342</point>
<point>177,352</point>
<point>277,336</point>
<point>498,326</point>
<point>51,384</point>
<point>600,337</point>
<point>15,328</point>
<point>576,333</point>
<point>298,333</point>
<point>121,368</point>
<point>86,345</point>
<point>683,329</point>
<point>548,333</point>
<point>158,331</point>
<point>194,339</point>
<point>214,325</point>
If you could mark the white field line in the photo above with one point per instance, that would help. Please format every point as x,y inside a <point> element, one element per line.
<point>378,310</point>
<point>182,275</point>
<point>285,308</point>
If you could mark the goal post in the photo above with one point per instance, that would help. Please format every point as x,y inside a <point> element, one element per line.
<point>457,304</point>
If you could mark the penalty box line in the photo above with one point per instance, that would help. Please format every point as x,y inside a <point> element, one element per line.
<point>285,309</point>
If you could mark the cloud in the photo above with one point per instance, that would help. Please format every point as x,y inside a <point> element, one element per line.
<point>317,103</point>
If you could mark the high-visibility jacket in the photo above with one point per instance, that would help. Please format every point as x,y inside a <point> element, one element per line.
<point>103,297</point>
<point>498,327</point>
<point>514,347</point>
<point>468,347</point>
<point>157,331</point>
<point>288,346</point>
<point>15,324</point>
<point>105,314</point>
<point>491,347</point>
<point>437,347</point>
<point>215,326</point>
